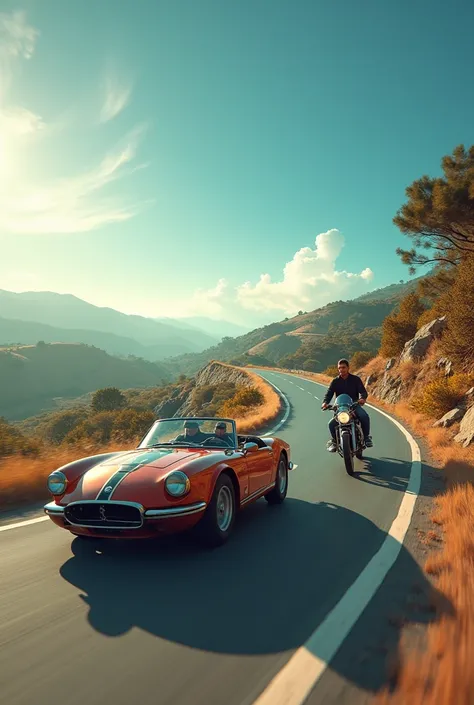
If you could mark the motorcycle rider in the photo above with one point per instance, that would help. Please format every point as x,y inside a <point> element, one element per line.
<point>347,383</point>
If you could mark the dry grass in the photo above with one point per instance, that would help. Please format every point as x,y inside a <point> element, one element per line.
<point>267,412</point>
<point>444,673</point>
<point>376,366</point>
<point>23,479</point>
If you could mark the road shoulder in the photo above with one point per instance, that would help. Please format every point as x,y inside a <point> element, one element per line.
<point>396,619</point>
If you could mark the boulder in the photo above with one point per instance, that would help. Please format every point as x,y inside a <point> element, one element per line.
<point>390,389</point>
<point>416,348</point>
<point>390,364</point>
<point>447,364</point>
<point>466,432</point>
<point>370,380</point>
<point>450,418</point>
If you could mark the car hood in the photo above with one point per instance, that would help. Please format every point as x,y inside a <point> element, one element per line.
<point>137,469</point>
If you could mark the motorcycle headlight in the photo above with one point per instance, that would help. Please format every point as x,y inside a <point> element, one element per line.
<point>57,482</point>
<point>177,484</point>
<point>343,417</point>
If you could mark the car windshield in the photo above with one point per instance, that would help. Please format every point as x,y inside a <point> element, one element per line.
<point>192,431</point>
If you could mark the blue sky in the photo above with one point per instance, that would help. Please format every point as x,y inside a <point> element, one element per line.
<point>160,157</point>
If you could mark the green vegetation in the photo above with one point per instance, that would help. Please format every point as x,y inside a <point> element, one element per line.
<point>13,441</point>
<point>439,217</point>
<point>401,326</point>
<point>112,415</point>
<point>34,377</point>
<point>458,341</point>
<point>441,395</point>
<point>439,214</point>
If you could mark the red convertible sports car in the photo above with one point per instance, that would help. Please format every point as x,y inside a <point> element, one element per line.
<point>186,473</point>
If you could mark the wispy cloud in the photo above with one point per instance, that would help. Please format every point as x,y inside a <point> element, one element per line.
<point>118,92</point>
<point>31,201</point>
<point>311,279</point>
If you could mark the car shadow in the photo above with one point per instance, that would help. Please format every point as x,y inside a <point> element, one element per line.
<point>264,592</point>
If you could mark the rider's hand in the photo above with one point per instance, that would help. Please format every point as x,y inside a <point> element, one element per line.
<point>362,402</point>
<point>324,406</point>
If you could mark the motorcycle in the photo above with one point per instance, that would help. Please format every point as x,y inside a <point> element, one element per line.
<point>349,437</point>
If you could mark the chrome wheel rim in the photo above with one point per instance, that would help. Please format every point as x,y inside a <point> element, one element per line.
<point>282,477</point>
<point>225,508</point>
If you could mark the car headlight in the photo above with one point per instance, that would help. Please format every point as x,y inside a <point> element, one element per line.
<point>344,417</point>
<point>57,482</point>
<point>177,484</point>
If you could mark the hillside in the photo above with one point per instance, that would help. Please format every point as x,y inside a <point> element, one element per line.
<point>33,377</point>
<point>339,328</point>
<point>17,332</point>
<point>64,311</point>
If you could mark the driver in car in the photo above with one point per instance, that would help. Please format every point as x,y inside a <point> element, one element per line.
<point>220,431</point>
<point>347,383</point>
<point>192,433</point>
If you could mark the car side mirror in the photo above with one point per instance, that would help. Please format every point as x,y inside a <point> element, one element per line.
<point>250,448</point>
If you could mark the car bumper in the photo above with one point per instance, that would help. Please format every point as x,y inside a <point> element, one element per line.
<point>155,522</point>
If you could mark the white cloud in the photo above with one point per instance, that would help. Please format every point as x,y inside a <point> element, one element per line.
<point>117,96</point>
<point>70,205</point>
<point>310,280</point>
<point>32,202</point>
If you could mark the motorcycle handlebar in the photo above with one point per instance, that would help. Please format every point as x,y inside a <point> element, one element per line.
<point>333,407</point>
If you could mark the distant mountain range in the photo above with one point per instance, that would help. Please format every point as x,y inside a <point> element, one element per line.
<point>90,340</point>
<point>31,316</point>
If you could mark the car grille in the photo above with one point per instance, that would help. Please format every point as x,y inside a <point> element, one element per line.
<point>109,515</point>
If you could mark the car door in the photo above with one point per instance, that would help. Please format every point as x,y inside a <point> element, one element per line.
<point>259,466</point>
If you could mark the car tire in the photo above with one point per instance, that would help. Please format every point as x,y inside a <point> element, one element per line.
<point>218,521</point>
<point>278,494</point>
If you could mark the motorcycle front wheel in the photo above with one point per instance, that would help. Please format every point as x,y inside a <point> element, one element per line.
<point>347,453</point>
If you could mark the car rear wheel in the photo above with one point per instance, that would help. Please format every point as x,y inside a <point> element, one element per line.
<point>279,492</point>
<point>216,526</point>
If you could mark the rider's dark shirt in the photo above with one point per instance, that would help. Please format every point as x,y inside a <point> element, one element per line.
<point>353,386</point>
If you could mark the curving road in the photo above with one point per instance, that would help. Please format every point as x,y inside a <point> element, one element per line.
<point>168,624</point>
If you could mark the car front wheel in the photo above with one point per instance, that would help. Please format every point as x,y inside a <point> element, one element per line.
<point>216,526</point>
<point>278,493</point>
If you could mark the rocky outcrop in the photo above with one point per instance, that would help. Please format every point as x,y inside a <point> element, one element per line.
<point>450,418</point>
<point>466,432</point>
<point>217,373</point>
<point>416,348</point>
<point>181,400</point>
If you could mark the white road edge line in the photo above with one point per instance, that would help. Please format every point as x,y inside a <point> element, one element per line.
<point>7,527</point>
<point>287,410</point>
<point>296,680</point>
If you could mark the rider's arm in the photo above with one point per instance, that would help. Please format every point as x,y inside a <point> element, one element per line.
<point>329,394</point>
<point>361,389</point>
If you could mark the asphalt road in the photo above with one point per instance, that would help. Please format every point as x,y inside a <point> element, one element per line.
<point>167,623</point>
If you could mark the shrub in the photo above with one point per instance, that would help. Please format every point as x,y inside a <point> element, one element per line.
<point>360,359</point>
<point>131,424</point>
<point>331,371</point>
<point>441,395</point>
<point>13,441</point>
<point>458,340</point>
<point>400,327</point>
<point>242,402</point>
<point>108,399</point>
<point>97,428</point>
